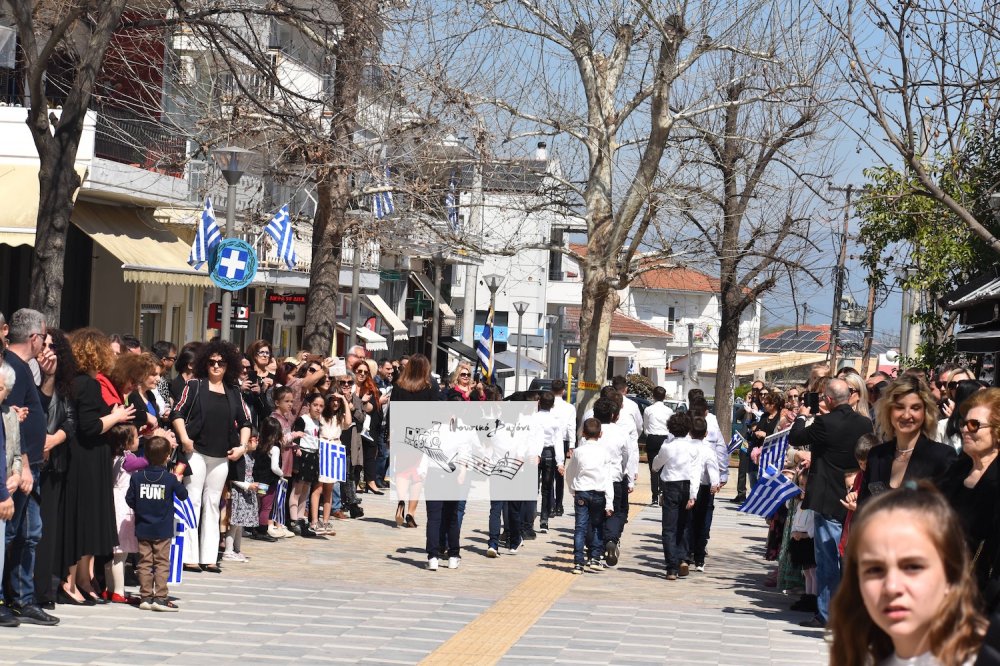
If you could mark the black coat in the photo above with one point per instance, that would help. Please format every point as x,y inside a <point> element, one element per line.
<point>978,509</point>
<point>830,439</point>
<point>929,460</point>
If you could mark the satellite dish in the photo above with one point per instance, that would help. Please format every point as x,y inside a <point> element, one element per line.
<point>892,356</point>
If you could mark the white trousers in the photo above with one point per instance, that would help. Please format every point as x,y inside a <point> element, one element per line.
<point>208,478</point>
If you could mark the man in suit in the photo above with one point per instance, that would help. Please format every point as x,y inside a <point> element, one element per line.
<point>830,439</point>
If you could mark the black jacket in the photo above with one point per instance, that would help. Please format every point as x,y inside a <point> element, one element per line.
<point>151,493</point>
<point>190,409</point>
<point>978,509</point>
<point>830,439</point>
<point>929,460</point>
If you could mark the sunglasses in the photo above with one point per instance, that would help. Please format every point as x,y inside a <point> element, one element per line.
<point>169,358</point>
<point>793,396</point>
<point>972,425</point>
<point>344,383</point>
<point>263,353</point>
<point>464,374</point>
<point>245,368</point>
<point>942,385</point>
<point>853,391</point>
<point>953,385</point>
<point>361,372</point>
<point>216,363</point>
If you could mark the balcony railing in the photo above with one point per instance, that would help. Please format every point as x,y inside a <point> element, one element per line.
<point>128,138</point>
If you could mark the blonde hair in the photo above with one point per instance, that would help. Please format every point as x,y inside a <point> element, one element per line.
<point>458,369</point>
<point>902,386</point>
<point>855,382</point>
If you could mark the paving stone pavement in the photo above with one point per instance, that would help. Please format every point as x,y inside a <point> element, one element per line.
<point>363,596</point>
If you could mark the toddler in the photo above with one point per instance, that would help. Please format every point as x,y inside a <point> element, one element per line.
<point>242,505</point>
<point>801,549</point>
<point>124,441</point>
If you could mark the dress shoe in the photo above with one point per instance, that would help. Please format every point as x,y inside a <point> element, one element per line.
<point>373,490</point>
<point>7,619</point>
<point>47,605</point>
<point>410,522</point>
<point>339,515</point>
<point>211,568</point>
<point>64,598</point>
<point>739,499</point>
<point>400,514</point>
<point>32,614</point>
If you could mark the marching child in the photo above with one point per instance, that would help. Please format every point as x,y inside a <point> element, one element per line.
<point>589,477</point>
<point>151,495</point>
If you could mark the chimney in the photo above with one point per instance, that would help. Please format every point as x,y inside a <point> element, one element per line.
<point>541,152</point>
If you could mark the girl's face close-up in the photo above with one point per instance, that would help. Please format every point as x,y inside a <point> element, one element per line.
<point>316,408</point>
<point>285,404</point>
<point>902,577</point>
<point>907,414</point>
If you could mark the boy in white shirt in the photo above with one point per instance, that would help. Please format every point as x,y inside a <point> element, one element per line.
<point>709,483</point>
<point>681,463</point>
<point>590,480</point>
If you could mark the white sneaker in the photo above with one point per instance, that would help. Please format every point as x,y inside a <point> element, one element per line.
<point>286,533</point>
<point>700,568</point>
<point>492,553</point>
<point>274,531</point>
<point>453,562</point>
<point>513,551</point>
<point>230,556</point>
<point>432,564</point>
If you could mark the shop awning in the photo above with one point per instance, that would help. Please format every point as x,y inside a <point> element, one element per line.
<point>148,252</point>
<point>528,365</point>
<point>461,349</point>
<point>622,349</point>
<point>372,340</point>
<point>19,187</point>
<point>427,286</point>
<point>400,331</point>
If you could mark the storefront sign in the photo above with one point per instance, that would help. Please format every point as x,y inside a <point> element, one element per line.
<point>239,317</point>
<point>293,299</point>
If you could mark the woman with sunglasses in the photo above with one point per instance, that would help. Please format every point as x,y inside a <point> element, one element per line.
<point>463,386</point>
<point>213,426</point>
<point>907,413</point>
<point>261,380</point>
<point>972,485</point>
<point>370,426</point>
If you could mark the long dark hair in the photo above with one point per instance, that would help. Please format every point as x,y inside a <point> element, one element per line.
<point>966,388</point>
<point>66,368</point>
<point>416,375</point>
<point>333,408</point>
<point>229,353</point>
<point>271,435</point>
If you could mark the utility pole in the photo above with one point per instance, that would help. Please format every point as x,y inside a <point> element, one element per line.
<point>866,347</point>
<point>838,289</point>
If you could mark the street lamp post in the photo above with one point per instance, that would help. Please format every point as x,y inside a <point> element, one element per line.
<point>520,307</point>
<point>438,263</point>
<point>233,161</point>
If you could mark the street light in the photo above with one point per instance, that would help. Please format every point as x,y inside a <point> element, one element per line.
<point>438,263</point>
<point>520,307</point>
<point>233,161</point>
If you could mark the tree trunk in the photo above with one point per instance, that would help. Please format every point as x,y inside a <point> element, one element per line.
<point>599,302</point>
<point>725,376</point>
<point>333,194</point>
<point>58,182</point>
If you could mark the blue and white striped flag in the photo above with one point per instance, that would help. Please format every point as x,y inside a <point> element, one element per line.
<point>184,519</point>
<point>280,230</point>
<point>382,203</point>
<point>280,494</point>
<point>773,452</point>
<point>484,349</point>
<point>736,443</point>
<point>332,461</point>
<point>769,494</point>
<point>206,237</point>
<point>451,202</point>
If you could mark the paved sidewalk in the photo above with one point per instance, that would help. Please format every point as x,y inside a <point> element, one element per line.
<point>363,596</point>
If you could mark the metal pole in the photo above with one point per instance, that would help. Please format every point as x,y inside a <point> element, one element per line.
<point>838,289</point>
<point>472,271</point>
<point>352,336</point>
<point>517,359</point>
<point>435,323</point>
<point>226,327</point>
<point>690,368</point>
<point>904,327</point>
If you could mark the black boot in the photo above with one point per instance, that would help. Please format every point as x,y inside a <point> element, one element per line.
<point>356,511</point>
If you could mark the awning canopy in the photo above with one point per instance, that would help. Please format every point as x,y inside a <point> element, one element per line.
<point>19,186</point>
<point>461,349</point>
<point>400,331</point>
<point>622,349</point>
<point>372,340</point>
<point>528,365</point>
<point>427,286</point>
<point>148,252</point>
<point>983,339</point>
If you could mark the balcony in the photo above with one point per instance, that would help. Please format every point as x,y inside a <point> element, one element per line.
<point>129,138</point>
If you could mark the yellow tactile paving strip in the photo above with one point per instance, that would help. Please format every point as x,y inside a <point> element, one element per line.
<point>487,638</point>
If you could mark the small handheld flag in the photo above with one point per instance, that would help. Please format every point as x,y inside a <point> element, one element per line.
<point>332,461</point>
<point>280,230</point>
<point>184,519</point>
<point>278,512</point>
<point>736,443</point>
<point>769,494</point>
<point>207,236</point>
<point>773,452</point>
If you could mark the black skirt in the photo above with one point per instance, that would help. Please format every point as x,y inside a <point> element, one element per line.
<point>306,467</point>
<point>802,553</point>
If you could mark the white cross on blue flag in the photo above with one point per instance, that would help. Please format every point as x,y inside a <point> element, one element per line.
<point>736,443</point>
<point>769,494</point>
<point>332,461</point>
<point>773,452</point>
<point>280,231</point>
<point>206,236</point>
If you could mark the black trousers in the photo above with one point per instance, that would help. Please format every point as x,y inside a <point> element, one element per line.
<point>747,469</point>
<point>653,445</point>
<point>615,524</point>
<point>560,481</point>
<point>547,472</point>
<point>701,523</point>
<point>52,488</point>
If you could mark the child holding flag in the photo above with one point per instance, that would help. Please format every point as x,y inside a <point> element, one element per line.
<point>151,495</point>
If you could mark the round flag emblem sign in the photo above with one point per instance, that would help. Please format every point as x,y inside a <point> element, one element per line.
<point>235,264</point>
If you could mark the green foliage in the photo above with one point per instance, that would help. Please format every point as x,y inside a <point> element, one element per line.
<point>639,385</point>
<point>741,391</point>
<point>902,226</point>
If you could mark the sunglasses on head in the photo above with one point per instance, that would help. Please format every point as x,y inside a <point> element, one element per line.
<point>972,425</point>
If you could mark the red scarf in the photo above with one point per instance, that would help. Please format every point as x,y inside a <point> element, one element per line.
<point>108,391</point>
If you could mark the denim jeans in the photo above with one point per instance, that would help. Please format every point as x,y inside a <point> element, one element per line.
<point>382,459</point>
<point>23,532</point>
<point>589,507</point>
<point>336,504</point>
<point>701,523</point>
<point>459,517</point>
<point>676,516</point>
<point>547,471</point>
<point>527,512</point>
<point>442,516</point>
<point>615,524</point>
<point>510,512</point>
<point>827,537</point>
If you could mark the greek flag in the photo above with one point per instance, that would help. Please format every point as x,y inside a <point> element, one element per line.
<point>484,349</point>
<point>736,443</point>
<point>278,511</point>
<point>184,519</point>
<point>206,237</point>
<point>773,452</point>
<point>280,230</point>
<point>769,494</point>
<point>332,461</point>
<point>451,202</point>
<point>382,204</point>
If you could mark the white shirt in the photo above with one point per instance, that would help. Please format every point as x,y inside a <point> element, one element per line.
<point>654,419</point>
<point>567,413</point>
<point>686,459</point>
<point>615,440</point>
<point>631,417</point>
<point>548,429</point>
<point>718,443</point>
<point>804,521</point>
<point>591,468</point>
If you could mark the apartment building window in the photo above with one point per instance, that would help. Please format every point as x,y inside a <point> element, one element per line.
<point>556,257</point>
<point>671,319</point>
